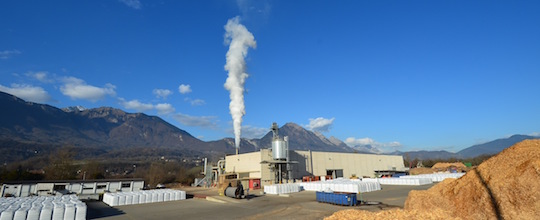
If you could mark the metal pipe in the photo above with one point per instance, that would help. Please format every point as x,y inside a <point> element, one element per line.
<point>219,166</point>
<point>204,171</point>
<point>311,162</point>
<point>289,169</point>
<point>215,176</point>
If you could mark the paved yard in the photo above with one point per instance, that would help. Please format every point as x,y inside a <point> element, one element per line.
<point>300,205</point>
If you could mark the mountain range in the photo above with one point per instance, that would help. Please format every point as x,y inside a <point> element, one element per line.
<point>27,129</point>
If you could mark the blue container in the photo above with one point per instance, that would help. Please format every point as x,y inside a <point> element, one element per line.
<point>347,199</point>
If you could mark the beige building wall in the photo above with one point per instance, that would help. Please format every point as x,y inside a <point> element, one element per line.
<point>246,165</point>
<point>312,163</point>
<point>351,163</point>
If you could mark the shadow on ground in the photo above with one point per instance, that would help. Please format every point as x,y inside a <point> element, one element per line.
<point>98,209</point>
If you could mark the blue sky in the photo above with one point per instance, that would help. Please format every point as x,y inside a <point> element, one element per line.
<point>400,75</point>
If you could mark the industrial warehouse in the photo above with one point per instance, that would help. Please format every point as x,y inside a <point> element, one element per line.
<point>281,165</point>
<point>261,166</point>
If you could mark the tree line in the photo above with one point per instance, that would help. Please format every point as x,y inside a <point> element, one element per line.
<point>62,165</point>
<point>475,161</point>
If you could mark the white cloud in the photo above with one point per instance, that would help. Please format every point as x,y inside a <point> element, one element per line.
<point>249,131</point>
<point>195,102</point>
<point>78,89</point>
<point>8,53</point>
<point>135,4</point>
<point>164,108</point>
<point>27,92</point>
<point>162,93</point>
<point>196,121</point>
<point>320,124</point>
<point>41,76</point>
<point>136,105</point>
<point>384,147</point>
<point>536,134</point>
<point>184,89</point>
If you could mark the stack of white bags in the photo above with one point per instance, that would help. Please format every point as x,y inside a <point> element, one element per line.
<point>282,188</point>
<point>342,185</point>
<point>67,207</point>
<point>141,197</point>
<point>401,181</point>
<point>436,177</point>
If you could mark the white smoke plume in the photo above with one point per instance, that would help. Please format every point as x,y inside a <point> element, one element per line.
<point>239,40</point>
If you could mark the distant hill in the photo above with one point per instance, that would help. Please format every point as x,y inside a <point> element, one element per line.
<point>302,139</point>
<point>27,129</point>
<point>424,155</point>
<point>30,125</point>
<point>494,147</point>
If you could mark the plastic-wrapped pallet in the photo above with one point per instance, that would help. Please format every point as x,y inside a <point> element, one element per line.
<point>167,196</point>
<point>435,177</point>
<point>80,213</point>
<point>21,213</point>
<point>341,185</point>
<point>33,213</point>
<point>155,197</point>
<point>135,198</point>
<point>142,198</point>
<point>160,196</point>
<point>58,211</point>
<point>129,198</point>
<point>149,196</point>
<point>46,212</point>
<point>69,213</point>
<point>8,214</point>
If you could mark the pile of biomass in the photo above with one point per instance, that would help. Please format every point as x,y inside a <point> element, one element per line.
<point>353,214</point>
<point>507,186</point>
<point>459,166</point>
<point>420,170</point>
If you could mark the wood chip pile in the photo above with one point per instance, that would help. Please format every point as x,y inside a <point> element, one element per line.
<point>507,186</point>
<point>446,166</point>
<point>420,170</point>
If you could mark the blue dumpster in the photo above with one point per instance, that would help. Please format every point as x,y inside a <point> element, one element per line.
<point>346,199</point>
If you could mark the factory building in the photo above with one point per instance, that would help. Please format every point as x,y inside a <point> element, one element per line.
<point>261,167</point>
<point>280,165</point>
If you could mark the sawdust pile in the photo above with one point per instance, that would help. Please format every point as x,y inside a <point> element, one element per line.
<point>420,170</point>
<point>351,214</point>
<point>459,166</point>
<point>507,186</point>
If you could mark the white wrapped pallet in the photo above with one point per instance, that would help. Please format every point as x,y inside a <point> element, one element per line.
<point>121,199</point>
<point>21,213</point>
<point>80,213</point>
<point>33,213</point>
<point>142,198</point>
<point>69,213</point>
<point>135,198</point>
<point>182,195</point>
<point>160,196</point>
<point>8,214</point>
<point>46,211</point>
<point>177,195</point>
<point>149,197</point>
<point>167,196</point>
<point>129,198</point>
<point>58,211</point>
<point>155,196</point>
<point>115,200</point>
